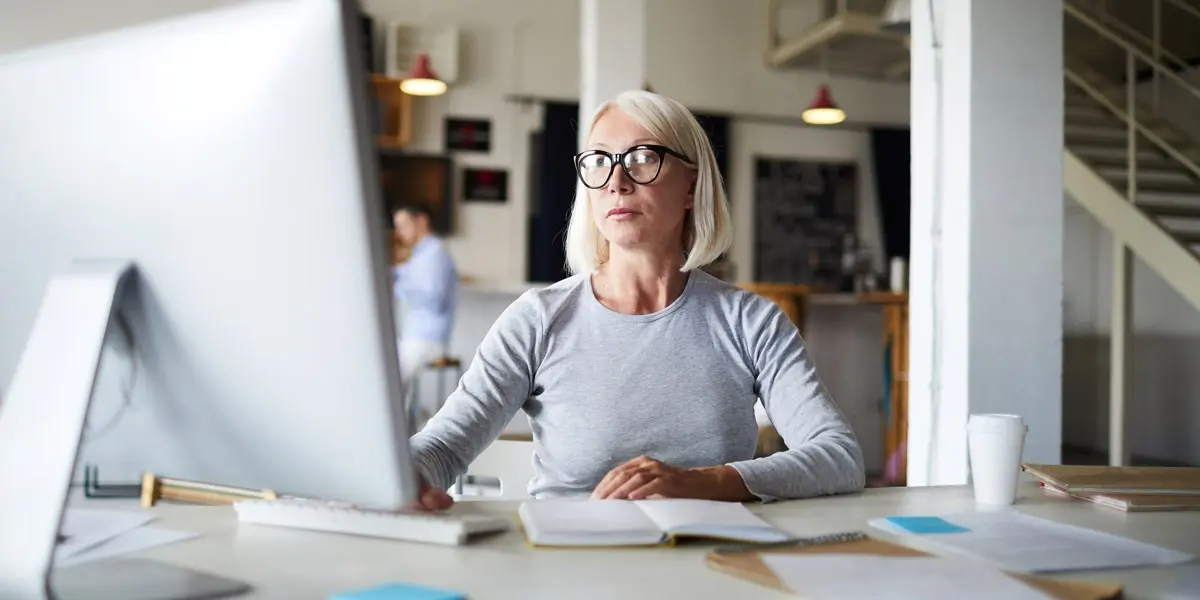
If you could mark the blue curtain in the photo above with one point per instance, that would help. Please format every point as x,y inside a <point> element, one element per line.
<point>717,128</point>
<point>891,152</point>
<point>553,190</point>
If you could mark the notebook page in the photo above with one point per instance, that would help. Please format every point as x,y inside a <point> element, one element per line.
<point>587,523</point>
<point>707,518</point>
<point>864,577</point>
<point>1019,542</point>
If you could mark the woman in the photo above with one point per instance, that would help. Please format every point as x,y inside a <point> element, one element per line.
<point>639,374</point>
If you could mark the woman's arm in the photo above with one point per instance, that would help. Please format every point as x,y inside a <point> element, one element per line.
<point>492,390</point>
<point>823,455</point>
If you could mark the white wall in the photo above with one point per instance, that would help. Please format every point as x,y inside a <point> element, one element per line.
<point>1164,407</point>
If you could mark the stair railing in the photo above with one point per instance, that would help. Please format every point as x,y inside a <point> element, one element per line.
<point>1121,358</point>
<point>1128,114</point>
<point>1170,59</point>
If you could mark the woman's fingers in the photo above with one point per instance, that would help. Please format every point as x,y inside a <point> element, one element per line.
<point>634,481</point>
<point>620,475</point>
<point>435,499</point>
<point>431,498</point>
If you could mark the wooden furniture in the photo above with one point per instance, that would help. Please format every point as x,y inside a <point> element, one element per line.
<point>895,425</point>
<point>396,107</point>
<point>289,563</point>
<point>791,298</point>
<point>794,300</point>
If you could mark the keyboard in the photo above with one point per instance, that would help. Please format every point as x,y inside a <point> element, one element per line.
<point>451,528</point>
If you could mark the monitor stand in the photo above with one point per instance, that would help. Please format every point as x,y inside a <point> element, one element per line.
<point>42,419</point>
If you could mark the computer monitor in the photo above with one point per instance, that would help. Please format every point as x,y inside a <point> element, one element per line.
<point>227,157</point>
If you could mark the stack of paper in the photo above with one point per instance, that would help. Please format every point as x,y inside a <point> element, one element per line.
<point>1123,488</point>
<point>89,534</point>
<point>1021,543</point>
<point>857,576</point>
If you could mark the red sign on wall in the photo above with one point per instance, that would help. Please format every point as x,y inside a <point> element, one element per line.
<point>485,185</point>
<point>474,135</point>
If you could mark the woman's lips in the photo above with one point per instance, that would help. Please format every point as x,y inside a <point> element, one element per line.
<point>621,214</point>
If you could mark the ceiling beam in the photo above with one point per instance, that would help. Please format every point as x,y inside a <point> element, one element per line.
<point>820,34</point>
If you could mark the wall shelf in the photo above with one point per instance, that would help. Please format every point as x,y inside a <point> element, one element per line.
<point>396,107</point>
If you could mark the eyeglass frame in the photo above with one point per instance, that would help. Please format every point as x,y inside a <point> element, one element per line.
<point>618,158</point>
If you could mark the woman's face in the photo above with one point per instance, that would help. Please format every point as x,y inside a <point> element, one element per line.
<point>648,216</point>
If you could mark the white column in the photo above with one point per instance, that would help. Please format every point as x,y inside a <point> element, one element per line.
<point>613,52</point>
<point>987,228</point>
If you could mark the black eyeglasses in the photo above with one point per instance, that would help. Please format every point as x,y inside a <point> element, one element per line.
<point>642,163</point>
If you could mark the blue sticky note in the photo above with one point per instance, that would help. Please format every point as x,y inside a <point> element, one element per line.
<point>400,591</point>
<point>925,525</point>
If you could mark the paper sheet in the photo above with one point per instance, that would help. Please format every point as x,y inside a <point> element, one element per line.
<point>710,517</point>
<point>1019,542</point>
<point>1186,585</point>
<point>136,540</point>
<point>83,528</point>
<point>855,577</point>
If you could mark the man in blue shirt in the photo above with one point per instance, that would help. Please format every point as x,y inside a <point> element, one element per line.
<point>426,285</point>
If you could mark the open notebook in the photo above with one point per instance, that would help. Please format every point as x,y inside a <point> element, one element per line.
<point>640,523</point>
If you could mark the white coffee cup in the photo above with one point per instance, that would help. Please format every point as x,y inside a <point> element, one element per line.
<point>995,444</point>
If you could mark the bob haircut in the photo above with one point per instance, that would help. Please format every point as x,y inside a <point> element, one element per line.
<point>707,232</point>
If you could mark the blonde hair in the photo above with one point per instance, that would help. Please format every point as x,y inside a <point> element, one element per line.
<point>707,232</point>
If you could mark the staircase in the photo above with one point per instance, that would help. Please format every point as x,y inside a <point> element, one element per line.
<point>1135,172</point>
<point>1167,180</point>
<point>1112,137</point>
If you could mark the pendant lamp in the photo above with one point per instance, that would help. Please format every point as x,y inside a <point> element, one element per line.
<point>823,111</point>
<point>422,81</point>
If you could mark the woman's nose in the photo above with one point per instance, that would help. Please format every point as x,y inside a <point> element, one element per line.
<point>620,183</point>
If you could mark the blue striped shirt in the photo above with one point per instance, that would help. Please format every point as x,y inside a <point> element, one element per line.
<point>427,285</point>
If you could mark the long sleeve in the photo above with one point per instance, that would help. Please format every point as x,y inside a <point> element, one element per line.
<point>426,280</point>
<point>823,455</point>
<point>494,387</point>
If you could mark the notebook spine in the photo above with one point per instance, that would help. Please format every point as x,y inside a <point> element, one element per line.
<point>844,537</point>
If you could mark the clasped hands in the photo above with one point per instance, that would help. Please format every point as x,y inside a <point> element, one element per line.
<point>645,478</point>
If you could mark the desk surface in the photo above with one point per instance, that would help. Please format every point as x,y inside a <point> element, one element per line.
<point>286,563</point>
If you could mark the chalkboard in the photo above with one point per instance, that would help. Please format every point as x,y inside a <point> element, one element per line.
<point>803,213</point>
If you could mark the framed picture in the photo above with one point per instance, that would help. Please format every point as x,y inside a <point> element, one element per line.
<point>472,135</point>
<point>485,185</point>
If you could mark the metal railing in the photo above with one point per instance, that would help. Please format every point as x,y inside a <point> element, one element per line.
<point>1134,56</point>
<point>1169,58</point>
<point>1138,49</point>
<point>1154,41</point>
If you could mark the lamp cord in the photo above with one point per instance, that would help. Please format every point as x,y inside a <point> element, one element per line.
<point>127,386</point>
<point>936,244</point>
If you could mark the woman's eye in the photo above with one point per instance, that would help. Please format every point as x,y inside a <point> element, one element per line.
<point>594,161</point>
<point>643,157</point>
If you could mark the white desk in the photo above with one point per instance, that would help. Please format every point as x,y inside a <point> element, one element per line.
<point>293,564</point>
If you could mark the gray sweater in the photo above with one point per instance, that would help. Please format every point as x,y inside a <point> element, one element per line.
<point>678,385</point>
